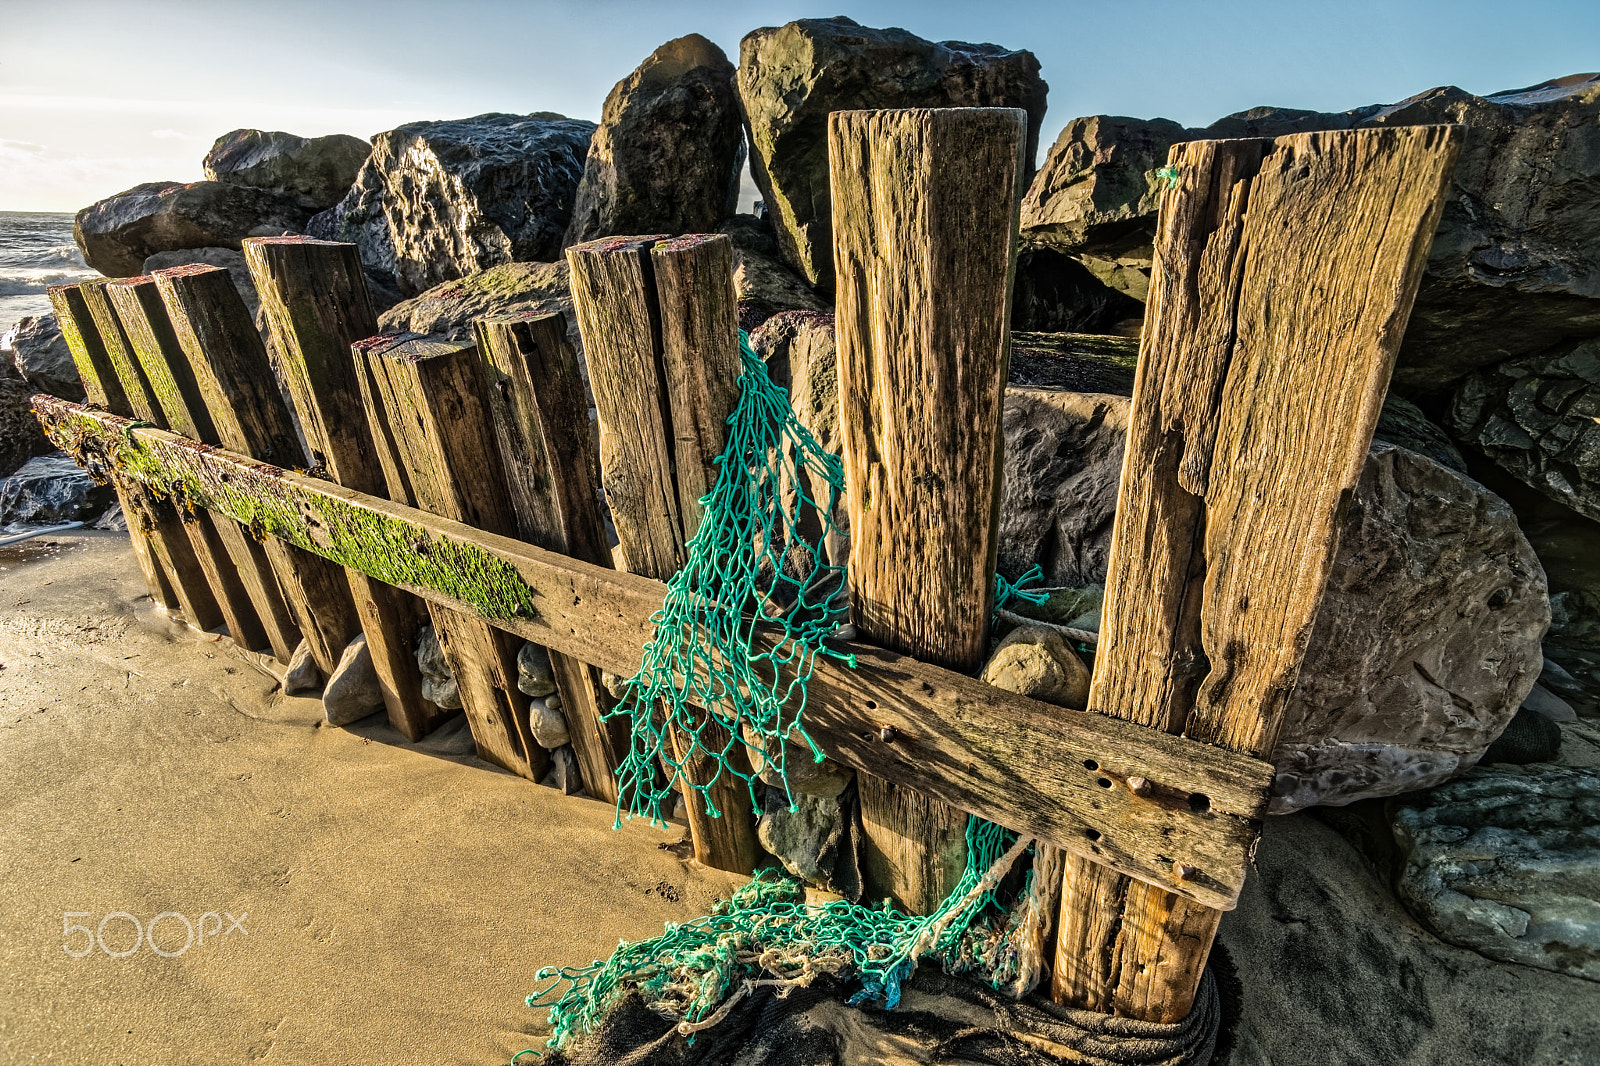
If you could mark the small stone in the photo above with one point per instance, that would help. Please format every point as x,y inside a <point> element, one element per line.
<point>303,678</point>
<point>445,694</point>
<point>353,692</point>
<point>549,724</point>
<point>534,676</point>
<point>615,685</point>
<point>1035,661</point>
<point>438,683</point>
<point>563,774</point>
<point>553,701</point>
<point>845,632</point>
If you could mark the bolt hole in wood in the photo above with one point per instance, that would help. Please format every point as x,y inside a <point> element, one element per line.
<point>1090,764</point>
<point>1199,802</point>
<point>1092,834</point>
<point>1104,782</point>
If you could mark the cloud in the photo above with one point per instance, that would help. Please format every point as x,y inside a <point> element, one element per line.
<point>173,135</point>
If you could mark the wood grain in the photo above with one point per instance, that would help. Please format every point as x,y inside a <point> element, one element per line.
<point>951,737</point>
<point>1284,274</point>
<point>437,414</point>
<point>541,421</point>
<point>240,392</point>
<point>176,397</point>
<point>315,300</point>
<point>924,231</point>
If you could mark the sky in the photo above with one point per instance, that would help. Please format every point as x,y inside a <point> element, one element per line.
<point>98,96</point>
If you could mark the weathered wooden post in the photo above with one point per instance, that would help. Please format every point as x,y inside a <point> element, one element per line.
<point>429,398</point>
<point>1285,271</point>
<point>925,228</point>
<point>230,365</point>
<point>541,420</point>
<point>651,453</point>
<point>175,396</point>
<point>316,303</point>
<point>171,571</point>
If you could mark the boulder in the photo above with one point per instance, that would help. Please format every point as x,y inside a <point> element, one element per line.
<point>353,691</point>
<point>1034,661</point>
<point>315,172</point>
<point>50,489</point>
<point>1058,293</point>
<point>437,201</point>
<point>1515,263</point>
<point>119,233</point>
<point>1507,863</point>
<point>449,310</point>
<point>1331,970</point>
<point>1426,645</point>
<point>791,77</point>
<point>763,281</point>
<point>669,151</point>
<point>42,357</point>
<point>230,259</point>
<point>1538,417</point>
<point>1079,362</point>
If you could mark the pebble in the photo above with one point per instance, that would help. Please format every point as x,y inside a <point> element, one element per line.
<point>353,692</point>
<point>548,723</point>
<point>534,676</point>
<point>303,678</point>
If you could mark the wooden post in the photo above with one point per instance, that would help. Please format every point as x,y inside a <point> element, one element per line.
<point>925,229</point>
<point>174,399</point>
<point>430,397</point>
<point>317,305</point>
<point>541,420</point>
<point>622,318</point>
<point>171,572</point>
<point>240,391</point>
<point>1285,271</point>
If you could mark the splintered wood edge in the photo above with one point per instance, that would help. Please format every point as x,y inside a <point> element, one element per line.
<point>1160,808</point>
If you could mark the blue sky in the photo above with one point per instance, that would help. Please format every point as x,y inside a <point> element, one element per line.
<point>96,96</point>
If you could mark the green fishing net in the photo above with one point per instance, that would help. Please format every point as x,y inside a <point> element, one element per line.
<point>736,641</point>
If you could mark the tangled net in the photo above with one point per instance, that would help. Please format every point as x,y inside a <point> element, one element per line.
<point>735,643</point>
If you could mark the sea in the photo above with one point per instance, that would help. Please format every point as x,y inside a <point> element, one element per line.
<point>36,251</point>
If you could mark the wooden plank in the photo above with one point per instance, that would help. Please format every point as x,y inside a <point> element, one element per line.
<point>647,413</point>
<point>240,391</point>
<point>953,738</point>
<point>925,231</point>
<point>437,417</point>
<point>174,397</point>
<point>316,303</point>
<point>172,571</point>
<point>541,421</point>
<point>1285,271</point>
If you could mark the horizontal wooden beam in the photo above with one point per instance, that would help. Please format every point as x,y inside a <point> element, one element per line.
<point>1157,807</point>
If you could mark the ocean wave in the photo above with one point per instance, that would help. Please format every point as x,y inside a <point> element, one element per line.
<point>35,282</point>
<point>56,256</point>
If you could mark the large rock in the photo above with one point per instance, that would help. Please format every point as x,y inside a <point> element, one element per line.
<point>449,310</point>
<point>1425,646</point>
<point>315,172</point>
<point>50,489</point>
<point>1538,417</point>
<point>763,281</point>
<point>353,691</point>
<point>1508,863</point>
<point>669,150</point>
<point>437,201</point>
<point>791,77</point>
<point>1515,263</point>
<point>1058,293</point>
<point>42,357</point>
<point>120,232</point>
<point>1332,971</point>
<point>229,259</point>
<point>20,436</point>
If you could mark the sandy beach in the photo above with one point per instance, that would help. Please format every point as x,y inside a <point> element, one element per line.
<point>393,901</point>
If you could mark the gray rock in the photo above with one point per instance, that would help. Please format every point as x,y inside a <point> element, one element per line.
<point>229,259</point>
<point>534,676</point>
<point>438,683</point>
<point>669,150</point>
<point>1508,864</point>
<point>791,77</point>
<point>549,725</point>
<point>111,519</point>
<point>764,283</point>
<point>1428,639</point>
<point>21,438</point>
<point>801,770</point>
<point>563,774</point>
<point>1538,418</point>
<point>1550,705</point>
<point>315,172</point>
<point>449,310</point>
<point>1513,268</point>
<point>117,234</point>
<point>805,837</point>
<point>1035,661</point>
<point>353,692</point>
<point>42,357</point>
<point>302,678</point>
<point>1333,970</point>
<point>1078,362</point>
<point>1058,293</point>
<point>437,201</point>
<point>50,489</point>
